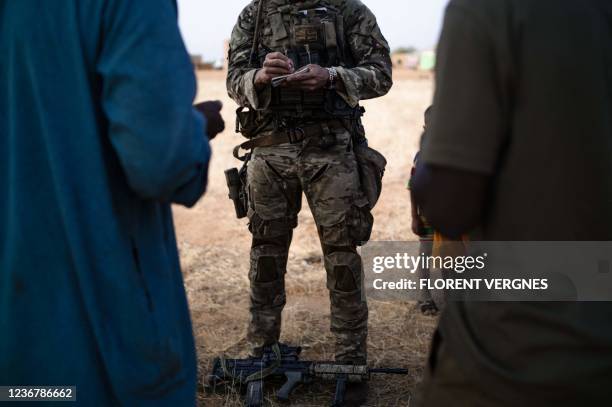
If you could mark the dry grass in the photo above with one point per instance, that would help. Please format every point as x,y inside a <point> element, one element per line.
<point>215,246</point>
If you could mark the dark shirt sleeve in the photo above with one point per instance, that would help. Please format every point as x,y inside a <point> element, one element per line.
<point>148,90</point>
<point>467,130</point>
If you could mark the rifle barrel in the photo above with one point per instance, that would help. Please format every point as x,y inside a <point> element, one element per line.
<point>389,370</point>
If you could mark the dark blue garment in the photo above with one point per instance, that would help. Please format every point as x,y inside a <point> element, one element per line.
<point>97,138</point>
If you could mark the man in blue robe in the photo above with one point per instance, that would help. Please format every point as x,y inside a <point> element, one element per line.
<point>98,137</point>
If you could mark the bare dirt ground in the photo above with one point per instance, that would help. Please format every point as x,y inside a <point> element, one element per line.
<point>215,256</point>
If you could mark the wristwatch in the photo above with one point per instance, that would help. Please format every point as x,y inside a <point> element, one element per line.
<point>333,77</point>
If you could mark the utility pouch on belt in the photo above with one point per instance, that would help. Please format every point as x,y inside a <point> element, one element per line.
<point>237,191</point>
<point>248,122</point>
<point>372,166</point>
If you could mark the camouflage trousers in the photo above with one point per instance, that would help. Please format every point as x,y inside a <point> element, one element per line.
<point>329,178</point>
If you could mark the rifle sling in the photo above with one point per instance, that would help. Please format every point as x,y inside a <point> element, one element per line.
<point>256,34</point>
<point>262,374</point>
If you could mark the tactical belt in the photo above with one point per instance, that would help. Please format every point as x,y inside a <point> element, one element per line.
<point>292,135</point>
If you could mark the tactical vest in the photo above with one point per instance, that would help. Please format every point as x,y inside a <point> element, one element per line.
<point>308,32</point>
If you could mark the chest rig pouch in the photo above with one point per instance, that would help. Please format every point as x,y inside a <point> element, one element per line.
<point>310,32</point>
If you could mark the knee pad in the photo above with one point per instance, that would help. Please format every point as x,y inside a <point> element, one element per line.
<point>268,263</point>
<point>343,271</point>
<point>345,281</point>
<point>266,269</point>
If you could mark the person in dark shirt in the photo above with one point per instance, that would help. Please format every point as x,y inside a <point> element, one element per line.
<point>520,148</point>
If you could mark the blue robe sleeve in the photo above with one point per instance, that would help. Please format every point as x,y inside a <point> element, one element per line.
<point>148,89</point>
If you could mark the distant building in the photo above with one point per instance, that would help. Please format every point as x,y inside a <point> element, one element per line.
<point>414,60</point>
<point>197,61</point>
<point>405,60</point>
<point>201,65</point>
<point>219,64</point>
<point>427,61</point>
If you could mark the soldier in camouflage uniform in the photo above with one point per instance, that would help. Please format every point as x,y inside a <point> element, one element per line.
<point>302,139</point>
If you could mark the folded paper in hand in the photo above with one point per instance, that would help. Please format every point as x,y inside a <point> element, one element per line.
<point>279,80</point>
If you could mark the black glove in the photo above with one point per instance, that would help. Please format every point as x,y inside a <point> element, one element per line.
<point>212,111</point>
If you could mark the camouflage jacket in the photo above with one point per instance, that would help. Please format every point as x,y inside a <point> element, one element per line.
<point>366,71</point>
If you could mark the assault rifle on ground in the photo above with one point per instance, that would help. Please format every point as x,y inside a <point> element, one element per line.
<point>282,362</point>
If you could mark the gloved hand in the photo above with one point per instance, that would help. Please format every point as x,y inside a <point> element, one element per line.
<point>212,111</point>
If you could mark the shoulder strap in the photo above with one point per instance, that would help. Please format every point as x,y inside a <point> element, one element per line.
<point>257,34</point>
